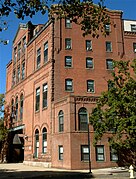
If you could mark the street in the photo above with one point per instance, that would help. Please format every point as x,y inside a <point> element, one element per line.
<point>21,171</point>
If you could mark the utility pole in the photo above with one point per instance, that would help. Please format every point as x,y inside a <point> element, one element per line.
<point>89,147</point>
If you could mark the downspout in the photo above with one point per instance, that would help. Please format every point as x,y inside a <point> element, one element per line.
<point>52,86</point>
<point>75,114</point>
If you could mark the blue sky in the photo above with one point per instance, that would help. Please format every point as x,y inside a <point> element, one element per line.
<point>127,6</point>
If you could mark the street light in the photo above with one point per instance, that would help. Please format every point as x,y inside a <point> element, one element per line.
<point>89,147</point>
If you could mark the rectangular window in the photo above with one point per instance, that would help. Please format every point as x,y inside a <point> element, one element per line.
<point>45,52</point>
<point>23,71</point>
<point>67,23</point>
<point>24,45</point>
<point>14,78</point>
<point>108,47</point>
<point>113,154</point>
<point>60,152</point>
<point>45,92</point>
<point>18,74</point>
<point>19,51</point>
<point>68,61</point>
<point>100,153</point>
<point>107,27</point>
<point>37,107</point>
<point>69,85</point>
<point>133,27</point>
<point>68,44</point>
<point>15,55</point>
<point>109,64</point>
<point>89,63</point>
<point>38,58</point>
<point>90,86</point>
<point>134,47</point>
<point>88,45</point>
<point>84,153</point>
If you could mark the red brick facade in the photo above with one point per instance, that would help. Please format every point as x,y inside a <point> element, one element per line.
<point>57,87</point>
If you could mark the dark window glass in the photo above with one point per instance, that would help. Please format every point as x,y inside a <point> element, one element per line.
<point>108,47</point>
<point>69,85</point>
<point>18,74</point>
<point>19,51</point>
<point>133,28</point>
<point>83,121</point>
<point>68,61</point>
<point>109,64</point>
<point>68,44</point>
<point>38,58</point>
<point>37,99</point>
<point>90,86</point>
<point>21,106</point>
<point>60,152</point>
<point>68,23</point>
<point>107,27</point>
<point>113,154</point>
<point>84,153</point>
<point>61,121</point>
<point>99,153</point>
<point>15,55</point>
<point>14,78</point>
<point>24,45</point>
<point>45,93</point>
<point>23,71</point>
<point>16,108</point>
<point>45,52</point>
<point>44,140</point>
<point>89,62</point>
<point>88,45</point>
<point>134,47</point>
<point>36,143</point>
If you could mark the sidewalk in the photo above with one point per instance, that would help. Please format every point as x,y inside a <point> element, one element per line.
<point>19,170</point>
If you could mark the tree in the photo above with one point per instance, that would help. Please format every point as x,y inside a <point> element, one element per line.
<point>115,112</point>
<point>3,130</point>
<point>92,18</point>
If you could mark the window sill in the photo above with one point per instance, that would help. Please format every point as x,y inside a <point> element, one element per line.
<point>68,67</point>
<point>68,48</point>
<point>89,50</point>
<point>109,51</point>
<point>89,92</point>
<point>69,91</point>
<point>37,112</point>
<point>44,108</point>
<point>89,68</point>
<point>84,161</point>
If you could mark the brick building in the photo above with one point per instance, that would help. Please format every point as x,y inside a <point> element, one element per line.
<point>53,81</point>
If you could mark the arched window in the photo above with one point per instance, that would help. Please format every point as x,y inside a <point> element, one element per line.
<point>83,121</point>
<point>61,121</point>
<point>21,106</point>
<point>36,143</point>
<point>44,140</point>
<point>16,108</point>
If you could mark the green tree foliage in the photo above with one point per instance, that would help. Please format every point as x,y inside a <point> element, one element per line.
<point>1,103</point>
<point>115,112</point>
<point>92,18</point>
<point>3,130</point>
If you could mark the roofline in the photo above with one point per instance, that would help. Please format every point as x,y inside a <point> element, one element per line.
<point>9,63</point>
<point>42,29</point>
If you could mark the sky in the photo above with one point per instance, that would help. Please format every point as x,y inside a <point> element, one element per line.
<point>127,6</point>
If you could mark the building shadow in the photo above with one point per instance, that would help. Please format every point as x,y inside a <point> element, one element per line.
<point>43,174</point>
